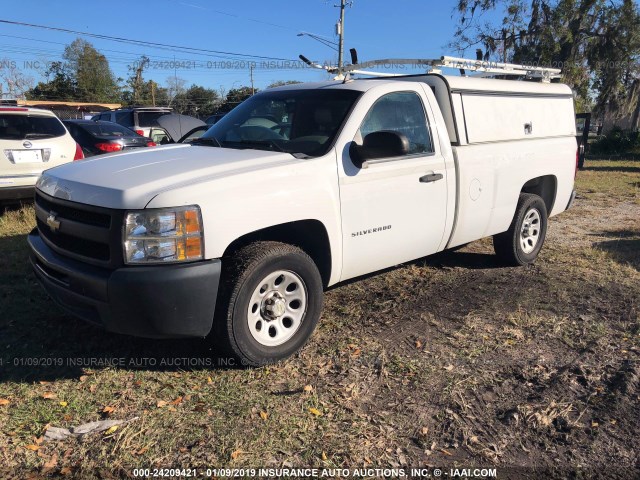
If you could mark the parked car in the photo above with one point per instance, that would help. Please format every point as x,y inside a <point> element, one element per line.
<point>97,137</point>
<point>138,119</point>
<point>31,140</point>
<point>237,234</point>
<point>175,128</point>
<point>215,118</point>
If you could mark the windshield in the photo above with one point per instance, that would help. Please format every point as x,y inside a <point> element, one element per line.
<point>21,127</point>
<point>294,121</point>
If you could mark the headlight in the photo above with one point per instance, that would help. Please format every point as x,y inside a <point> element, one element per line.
<point>163,235</point>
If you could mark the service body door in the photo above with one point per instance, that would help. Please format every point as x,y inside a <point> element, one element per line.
<point>395,209</point>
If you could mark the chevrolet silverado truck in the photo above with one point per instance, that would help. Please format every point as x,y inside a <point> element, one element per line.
<point>236,235</point>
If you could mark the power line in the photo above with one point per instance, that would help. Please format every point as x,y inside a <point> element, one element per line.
<point>143,42</point>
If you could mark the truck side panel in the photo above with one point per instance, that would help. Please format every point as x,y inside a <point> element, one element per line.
<point>492,175</point>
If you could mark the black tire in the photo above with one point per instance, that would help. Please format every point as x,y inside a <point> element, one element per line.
<point>509,245</point>
<point>242,274</point>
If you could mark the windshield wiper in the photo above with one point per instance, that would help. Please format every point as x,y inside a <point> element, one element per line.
<point>209,141</point>
<point>263,143</point>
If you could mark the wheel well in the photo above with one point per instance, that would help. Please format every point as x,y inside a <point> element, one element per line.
<point>544,187</point>
<point>309,235</point>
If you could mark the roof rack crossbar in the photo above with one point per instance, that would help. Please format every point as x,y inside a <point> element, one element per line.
<point>483,67</point>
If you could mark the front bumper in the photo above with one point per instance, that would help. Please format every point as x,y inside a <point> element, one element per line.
<point>160,301</point>
<point>16,193</point>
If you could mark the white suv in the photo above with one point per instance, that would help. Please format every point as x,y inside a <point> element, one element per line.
<point>31,141</point>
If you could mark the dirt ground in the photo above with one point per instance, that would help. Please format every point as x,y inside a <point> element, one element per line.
<point>451,362</point>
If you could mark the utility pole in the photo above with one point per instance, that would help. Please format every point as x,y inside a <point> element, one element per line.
<point>340,32</point>
<point>251,75</point>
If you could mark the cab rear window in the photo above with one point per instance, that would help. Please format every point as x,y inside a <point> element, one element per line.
<point>29,127</point>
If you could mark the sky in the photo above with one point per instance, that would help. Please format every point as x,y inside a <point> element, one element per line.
<point>255,29</point>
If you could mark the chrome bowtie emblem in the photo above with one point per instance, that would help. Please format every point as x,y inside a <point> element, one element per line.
<point>27,144</point>
<point>54,224</point>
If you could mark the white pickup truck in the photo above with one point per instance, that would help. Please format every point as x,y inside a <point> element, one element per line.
<point>236,235</point>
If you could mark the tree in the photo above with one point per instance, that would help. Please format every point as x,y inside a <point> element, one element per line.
<point>90,71</point>
<point>596,43</point>
<point>17,83</point>
<point>84,75</point>
<point>136,85</point>
<point>197,101</point>
<point>236,96</point>
<point>60,86</point>
<point>175,86</point>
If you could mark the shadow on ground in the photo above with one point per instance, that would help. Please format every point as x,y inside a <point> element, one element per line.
<point>39,341</point>
<point>623,169</point>
<point>624,246</point>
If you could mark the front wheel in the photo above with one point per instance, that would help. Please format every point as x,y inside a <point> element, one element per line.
<point>271,299</point>
<point>521,244</point>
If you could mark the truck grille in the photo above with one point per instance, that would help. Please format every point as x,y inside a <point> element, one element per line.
<point>83,232</point>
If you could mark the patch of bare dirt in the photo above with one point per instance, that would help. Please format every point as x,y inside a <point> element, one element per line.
<point>462,361</point>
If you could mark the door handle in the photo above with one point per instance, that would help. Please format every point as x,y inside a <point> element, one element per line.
<point>431,177</point>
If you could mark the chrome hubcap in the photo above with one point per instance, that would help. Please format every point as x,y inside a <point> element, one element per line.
<point>530,232</point>
<point>277,308</point>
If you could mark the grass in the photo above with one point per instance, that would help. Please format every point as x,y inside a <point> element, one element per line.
<point>455,354</point>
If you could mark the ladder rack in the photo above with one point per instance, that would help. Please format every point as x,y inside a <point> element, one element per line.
<point>484,68</point>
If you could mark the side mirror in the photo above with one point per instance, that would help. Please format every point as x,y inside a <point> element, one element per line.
<point>381,144</point>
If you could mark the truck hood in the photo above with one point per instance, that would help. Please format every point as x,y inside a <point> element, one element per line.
<point>131,180</point>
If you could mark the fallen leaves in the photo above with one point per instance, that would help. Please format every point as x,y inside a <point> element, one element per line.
<point>355,350</point>
<point>142,451</point>
<point>111,430</point>
<point>49,396</point>
<point>164,403</point>
<point>308,388</point>
<point>315,412</point>
<point>108,409</point>
<point>264,415</point>
<point>33,448</point>
<point>235,454</point>
<point>52,463</point>
<point>63,403</point>
<point>4,401</point>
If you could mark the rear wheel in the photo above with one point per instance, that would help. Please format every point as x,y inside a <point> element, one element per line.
<point>521,244</point>
<point>271,299</point>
